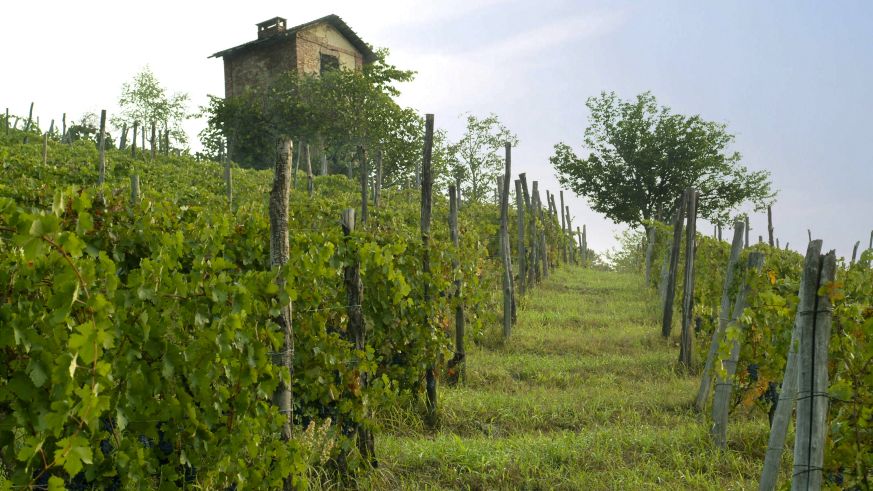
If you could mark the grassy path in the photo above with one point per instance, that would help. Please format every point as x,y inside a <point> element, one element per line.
<point>585,395</point>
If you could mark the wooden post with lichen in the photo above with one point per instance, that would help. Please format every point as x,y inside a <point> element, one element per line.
<point>785,405</point>
<point>133,140</point>
<point>426,205</point>
<point>279,256</point>
<point>134,189</point>
<point>723,317</point>
<point>770,225</point>
<point>457,364</point>
<point>724,383</point>
<point>670,285</point>
<point>522,265</point>
<point>686,342</point>
<point>228,181</point>
<point>505,255</point>
<point>812,392</point>
<point>152,142</point>
<point>357,330</point>
<point>572,252</point>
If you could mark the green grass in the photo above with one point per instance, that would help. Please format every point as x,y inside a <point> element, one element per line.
<point>584,395</point>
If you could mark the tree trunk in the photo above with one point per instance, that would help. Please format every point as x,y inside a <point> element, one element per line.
<point>723,318</point>
<point>152,141</point>
<point>802,322</point>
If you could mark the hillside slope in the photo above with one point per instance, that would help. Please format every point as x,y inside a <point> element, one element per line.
<point>585,395</point>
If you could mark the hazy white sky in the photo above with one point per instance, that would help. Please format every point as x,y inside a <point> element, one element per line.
<point>791,78</point>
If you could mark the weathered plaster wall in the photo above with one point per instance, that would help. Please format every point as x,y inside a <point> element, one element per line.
<point>324,38</point>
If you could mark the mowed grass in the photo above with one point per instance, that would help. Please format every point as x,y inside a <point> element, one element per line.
<point>584,395</point>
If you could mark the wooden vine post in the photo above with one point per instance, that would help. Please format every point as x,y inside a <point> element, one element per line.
<point>581,249</point>
<point>723,317</point>
<point>724,384</point>
<point>365,179</point>
<point>123,141</point>
<point>101,146</point>
<point>563,229</point>
<point>650,251</point>
<point>6,122</point>
<point>133,140</point>
<point>279,256</point>
<point>785,405</point>
<point>228,181</point>
<point>456,364</point>
<point>505,255</point>
<point>535,235</point>
<point>377,188</point>
<point>670,284</point>
<point>686,343</point>
<point>134,189</point>
<point>152,141</point>
<point>812,392</point>
<point>570,231</point>
<point>519,206</point>
<point>29,123</point>
<point>770,225</point>
<point>530,261</point>
<point>746,243</point>
<point>297,164</point>
<point>64,129</point>
<point>854,253</point>
<point>356,329</point>
<point>584,244</point>
<point>45,142</point>
<point>310,185</point>
<point>426,204</point>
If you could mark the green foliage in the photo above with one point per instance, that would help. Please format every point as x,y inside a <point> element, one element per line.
<point>477,158</point>
<point>146,101</point>
<point>336,112</point>
<point>640,157</point>
<point>137,339</point>
<point>765,333</point>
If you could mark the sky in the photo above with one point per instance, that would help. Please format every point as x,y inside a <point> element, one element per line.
<point>793,80</point>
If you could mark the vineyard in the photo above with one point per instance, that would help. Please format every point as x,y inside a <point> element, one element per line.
<point>149,334</point>
<point>139,332</point>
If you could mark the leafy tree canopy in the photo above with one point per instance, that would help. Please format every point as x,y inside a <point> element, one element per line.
<point>477,158</point>
<point>641,157</point>
<point>335,112</point>
<point>145,101</point>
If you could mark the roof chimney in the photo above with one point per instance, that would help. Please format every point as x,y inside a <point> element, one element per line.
<point>271,27</point>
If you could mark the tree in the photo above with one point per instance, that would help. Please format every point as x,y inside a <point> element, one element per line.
<point>477,158</point>
<point>145,101</point>
<point>339,109</point>
<point>642,157</point>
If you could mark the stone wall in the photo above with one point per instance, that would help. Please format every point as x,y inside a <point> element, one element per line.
<point>257,66</point>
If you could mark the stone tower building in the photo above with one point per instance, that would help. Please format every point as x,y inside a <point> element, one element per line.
<point>310,48</point>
